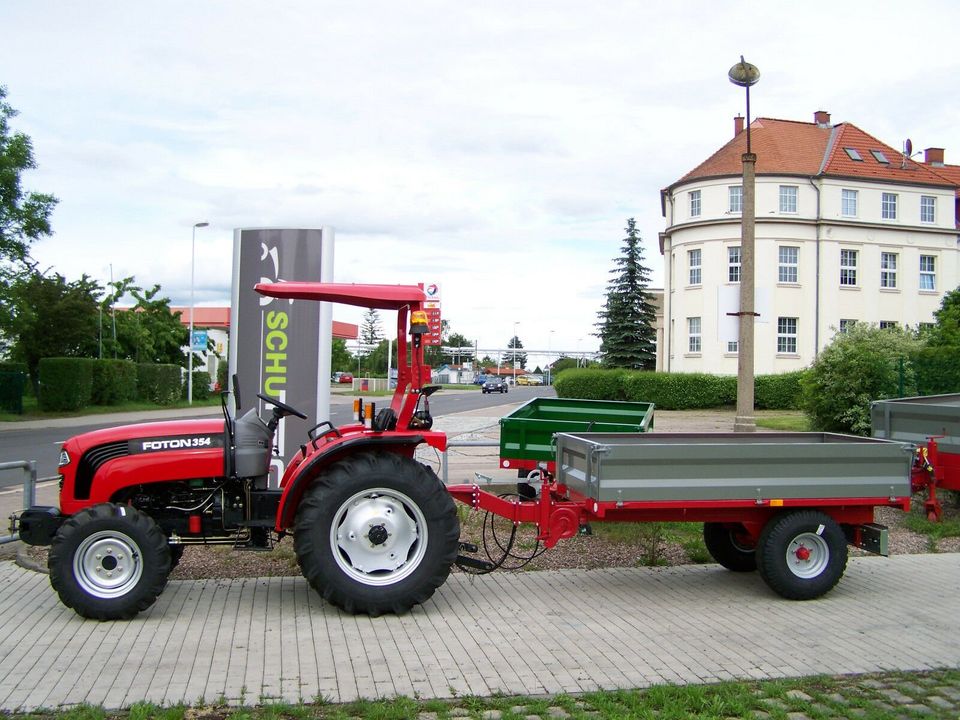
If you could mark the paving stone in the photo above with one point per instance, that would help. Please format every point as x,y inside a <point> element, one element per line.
<point>532,717</point>
<point>873,684</point>
<point>491,715</point>
<point>855,712</point>
<point>947,691</point>
<point>557,712</point>
<point>799,695</point>
<point>459,712</point>
<point>896,696</point>
<point>922,709</point>
<point>838,699</point>
<point>760,715</point>
<point>518,709</point>
<point>427,716</point>
<point>939,702</point>
<point>797,716</point>
<point>912,688</point>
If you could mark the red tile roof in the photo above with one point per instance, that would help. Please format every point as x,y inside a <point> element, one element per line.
<point>219,317</point>
<point>789,147</point>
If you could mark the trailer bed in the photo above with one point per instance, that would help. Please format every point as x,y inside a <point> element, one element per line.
<point>762,467</point>
<point>916,419</point>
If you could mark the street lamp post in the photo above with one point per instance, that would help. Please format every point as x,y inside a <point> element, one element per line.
<point>744,75</point>
<point>515,323</point>
<point>193,254</point>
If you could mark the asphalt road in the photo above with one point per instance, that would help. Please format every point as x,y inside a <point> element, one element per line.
<point>42,445</point>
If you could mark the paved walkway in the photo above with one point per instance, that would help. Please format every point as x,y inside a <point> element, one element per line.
<point>250,640</point>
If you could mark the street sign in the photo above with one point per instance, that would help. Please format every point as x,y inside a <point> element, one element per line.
<point>198,343</point>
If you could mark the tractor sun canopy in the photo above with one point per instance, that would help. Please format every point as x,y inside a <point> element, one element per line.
<point>380,297</point>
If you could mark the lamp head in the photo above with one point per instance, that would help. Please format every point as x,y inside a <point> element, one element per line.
<point>201,224</point>
<point>744,74</point>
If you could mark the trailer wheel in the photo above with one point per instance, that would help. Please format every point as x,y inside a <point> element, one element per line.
<point>730,546</point>
<point>802,555</point>
<point>109,562</point>
<point>376,533</point>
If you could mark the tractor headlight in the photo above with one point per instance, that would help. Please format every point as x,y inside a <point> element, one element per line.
<point>64,458</point>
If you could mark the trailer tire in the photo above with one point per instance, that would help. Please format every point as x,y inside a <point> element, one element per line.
<point>376,533</point>
<point>730,546</point>
<point>109,562</point>
<point>802,555</point>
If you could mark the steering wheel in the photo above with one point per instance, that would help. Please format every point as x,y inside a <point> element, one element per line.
<point>283,406</point>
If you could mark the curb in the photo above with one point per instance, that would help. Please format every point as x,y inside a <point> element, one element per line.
<point>28,563</point>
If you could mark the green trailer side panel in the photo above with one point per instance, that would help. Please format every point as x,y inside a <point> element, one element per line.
<point>916,419</point>
<point>527,432</point>
<point>731,466</point>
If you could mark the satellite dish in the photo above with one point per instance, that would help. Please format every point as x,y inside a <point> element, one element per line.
<point>908,148</point>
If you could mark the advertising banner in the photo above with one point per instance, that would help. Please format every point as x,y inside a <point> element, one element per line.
<point>281,348</point>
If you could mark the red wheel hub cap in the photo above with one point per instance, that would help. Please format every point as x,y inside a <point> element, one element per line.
<point>802,553</point>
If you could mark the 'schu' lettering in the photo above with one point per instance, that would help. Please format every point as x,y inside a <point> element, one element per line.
<point>275,362</point>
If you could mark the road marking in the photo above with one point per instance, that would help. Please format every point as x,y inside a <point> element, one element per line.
<point>11,491</point>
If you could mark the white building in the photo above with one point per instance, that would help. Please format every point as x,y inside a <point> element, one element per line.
<point>847,229</point>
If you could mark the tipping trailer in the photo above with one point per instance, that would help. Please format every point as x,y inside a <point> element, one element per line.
<point>376,531</point>
<point>931,424</point>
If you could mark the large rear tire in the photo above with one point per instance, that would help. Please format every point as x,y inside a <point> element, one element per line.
<point>730,546</point>
<point>376,533</point>
<point>109,562</point>
<point>802,555</point>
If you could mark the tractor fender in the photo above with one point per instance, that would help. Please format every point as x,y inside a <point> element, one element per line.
<point>300,475</point>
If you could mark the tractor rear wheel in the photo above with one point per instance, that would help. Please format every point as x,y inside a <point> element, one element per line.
<point>109,562</point>
<point>802,555</point>
<point>730,546</point>
<point>376,533</point>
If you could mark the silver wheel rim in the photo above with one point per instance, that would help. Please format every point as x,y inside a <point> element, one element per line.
<point>107,564</point>
<point>807,555</point>
<point>378,536</point>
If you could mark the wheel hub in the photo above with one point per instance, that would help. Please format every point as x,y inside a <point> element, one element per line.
<point>378,536</point>
<point>808,555</point>
<point>107,564</point>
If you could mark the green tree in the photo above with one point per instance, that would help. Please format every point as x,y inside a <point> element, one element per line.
<point>47,316</point>
<point>513,355</point>
<point>563,363</point>
<point>626,328</point>
<point>371,332</point>
<point>24,216</point>
<point>946,332</point>
<point>149,332</point>
<point>463,351</point>
<point>340,358</point>
<point>860,365</point>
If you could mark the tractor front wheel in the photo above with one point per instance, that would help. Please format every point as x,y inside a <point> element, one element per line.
<point>376,533</point>
<point>109,562</point>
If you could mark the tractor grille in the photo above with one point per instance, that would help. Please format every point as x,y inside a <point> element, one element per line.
<point>91,461</point>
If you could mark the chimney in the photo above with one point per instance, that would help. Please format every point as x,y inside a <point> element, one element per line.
<point>737,125</point>
<point>822,118</point>
<point>933,156</point>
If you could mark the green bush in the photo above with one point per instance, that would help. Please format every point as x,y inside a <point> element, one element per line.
<point>201,385</point>
<point>12,385</point>
<point>591,384</point>
<point>114,382</point>
<point>158,383</point>
<point>778,392</point>
<point>937,370</point>
<point>681,391</point>
<point>222,367</point>
<point>860,365</point>
<point>65,383</point>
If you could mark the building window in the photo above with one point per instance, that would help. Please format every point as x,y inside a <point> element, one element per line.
<point>853,154</point>
<point>693,261</point>
<point>732,346</point>
<point>789,264</point>
<point>928,209</point>
<point>733,264</point>
<point>888,270</point>
<point>787,335</point>
<point>788,198</point>
<point>848,268</point>
<point>848,203</point>
<point>928,272</point>
<point>887,324</point>
<point>880,157</point>
<point>888,206</point>
<point>693,334</point>
<point>845,325</point>
<point>735,195</point>
<point>695,203</point>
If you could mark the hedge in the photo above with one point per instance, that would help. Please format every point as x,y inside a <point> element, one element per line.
<point>158,383</point>
<point>114,382</point>
<point>677,391</point>
<point>12,385</point>
<point>201,385</point>
<point>937,370</point>
<point>65,383</point>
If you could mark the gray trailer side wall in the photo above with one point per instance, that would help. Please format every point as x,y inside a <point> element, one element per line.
<point>731,466</point>
<point>916,419</point>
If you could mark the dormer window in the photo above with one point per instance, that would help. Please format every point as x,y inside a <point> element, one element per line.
<point>853,154</point>
<point>880,157</point>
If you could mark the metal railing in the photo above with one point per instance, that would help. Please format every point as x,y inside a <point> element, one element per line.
<point>445,462</point>
<point>29,467</point>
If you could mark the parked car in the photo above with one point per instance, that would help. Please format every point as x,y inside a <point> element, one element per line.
<point>495,384</point>
<point>342,377</point>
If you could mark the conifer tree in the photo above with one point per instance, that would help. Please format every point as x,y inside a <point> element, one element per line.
<point>626,328</point>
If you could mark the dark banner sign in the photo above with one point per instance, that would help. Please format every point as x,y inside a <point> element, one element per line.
<point>281,348</point>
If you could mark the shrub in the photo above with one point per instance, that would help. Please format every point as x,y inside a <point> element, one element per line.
<point>859,366</point>
<point>681,391</point>
<point>65,383</point>
<point>158,383</point>
<point>12,385</point>
<point>937,369</point>
<point>778,392</point>
<point>114,382</point>
<point>591,384</point>
<point>201,385</point>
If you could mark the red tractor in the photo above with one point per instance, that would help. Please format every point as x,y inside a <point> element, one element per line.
<point>374,530</point>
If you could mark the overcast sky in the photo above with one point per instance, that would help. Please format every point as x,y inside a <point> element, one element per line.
<point>494,148</point>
